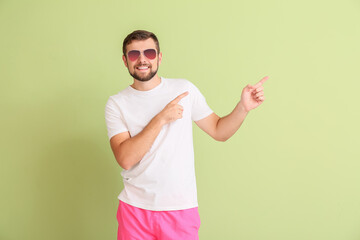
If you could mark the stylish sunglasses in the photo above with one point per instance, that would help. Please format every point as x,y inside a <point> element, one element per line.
<point>133,55</point>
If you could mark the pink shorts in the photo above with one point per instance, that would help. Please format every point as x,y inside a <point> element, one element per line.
<point>140,224</point>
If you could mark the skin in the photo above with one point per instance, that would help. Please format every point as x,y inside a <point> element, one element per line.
<point>128,151</point>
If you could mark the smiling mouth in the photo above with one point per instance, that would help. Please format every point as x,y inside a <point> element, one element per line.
<point>143,68</point>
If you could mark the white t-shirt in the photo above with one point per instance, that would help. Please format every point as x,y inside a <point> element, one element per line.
<point>165,178</point>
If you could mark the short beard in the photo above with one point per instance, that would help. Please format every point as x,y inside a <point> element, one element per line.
<point>145,78</point>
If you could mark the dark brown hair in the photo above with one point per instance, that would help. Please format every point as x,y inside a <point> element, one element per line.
<point>140,35</point>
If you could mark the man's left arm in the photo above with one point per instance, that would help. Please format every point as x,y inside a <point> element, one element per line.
<point>221,129</point>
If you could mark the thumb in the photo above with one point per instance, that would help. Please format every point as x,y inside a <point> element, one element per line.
<point>249,87</point>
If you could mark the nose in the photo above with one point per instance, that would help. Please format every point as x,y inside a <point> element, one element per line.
<point>142,57</point>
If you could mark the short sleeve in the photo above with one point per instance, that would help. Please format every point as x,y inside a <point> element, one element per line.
<point>114,120</point>
<point>200,108</point>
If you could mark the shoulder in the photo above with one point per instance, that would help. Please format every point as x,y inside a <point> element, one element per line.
<point>182,84</point>
<point>117,98</point>
<point>179,82</point>
<point>175,80</point>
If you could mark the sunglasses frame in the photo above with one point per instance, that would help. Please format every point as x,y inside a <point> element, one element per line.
<point>141,52</point>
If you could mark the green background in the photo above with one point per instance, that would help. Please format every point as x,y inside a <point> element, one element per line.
<point>290,173</point>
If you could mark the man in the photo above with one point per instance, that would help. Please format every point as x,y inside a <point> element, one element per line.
<point>150,130</point>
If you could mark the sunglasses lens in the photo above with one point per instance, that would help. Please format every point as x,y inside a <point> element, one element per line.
<point>133,55</point>
<point>150,53</point>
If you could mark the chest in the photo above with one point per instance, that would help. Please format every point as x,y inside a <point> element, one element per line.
<point>139,111</point>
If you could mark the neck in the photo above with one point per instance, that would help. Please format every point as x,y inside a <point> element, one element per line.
<point>148,85</point>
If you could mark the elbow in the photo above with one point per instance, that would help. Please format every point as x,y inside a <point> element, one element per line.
<point>123,158</point>
<point>124,164</point>
<point>127,160</point>
<point>221,139</point>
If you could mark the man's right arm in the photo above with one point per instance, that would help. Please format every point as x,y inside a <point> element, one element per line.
<point>128,151</point>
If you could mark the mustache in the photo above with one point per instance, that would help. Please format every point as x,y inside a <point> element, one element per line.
<point>143,65</point>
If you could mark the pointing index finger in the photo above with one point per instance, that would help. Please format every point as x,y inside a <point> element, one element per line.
<point>261,82</point>
<point>178,98</point>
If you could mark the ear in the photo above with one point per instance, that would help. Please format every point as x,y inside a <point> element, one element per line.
<point>160,57</point>
<point>125,62</point>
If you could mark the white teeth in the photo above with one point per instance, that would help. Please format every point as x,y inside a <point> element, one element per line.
<point>143,67</point>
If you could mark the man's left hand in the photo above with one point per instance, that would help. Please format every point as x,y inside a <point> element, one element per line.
<point>253,96</point>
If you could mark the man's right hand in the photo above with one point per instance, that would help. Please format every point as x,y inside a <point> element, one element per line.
<point>173,110</point>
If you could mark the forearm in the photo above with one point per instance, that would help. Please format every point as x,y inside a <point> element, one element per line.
<point>134,149</point>
<point>228,125</point>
